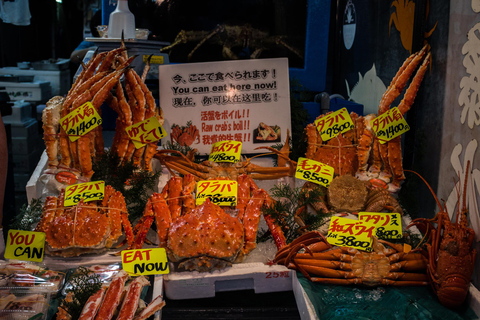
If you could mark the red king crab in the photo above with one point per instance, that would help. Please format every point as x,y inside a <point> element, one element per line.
<point>185,136</point>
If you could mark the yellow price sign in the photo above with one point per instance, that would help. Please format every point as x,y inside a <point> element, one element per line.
<point>146,131</point>
<point>145,261</point>
<point>226,151</point>
<point>81,121</point>
<point>388,225</point>
<point>220,192</point>
<point>389,125</point>
<point>314,171</point>
<point>88,191</point>
<point>153,59</point>
<point>333,124</point>
<point>344,232</point>
<point>25,245</point>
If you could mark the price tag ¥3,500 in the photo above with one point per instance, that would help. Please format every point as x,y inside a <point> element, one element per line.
<point>220,192</point>
<point>88,191</point>
<point>388,225</point>
<point>333,124</point>
<point>344,232</point>
<point>389,125</point>
<point>314,171</point>
<point>80,121</point>
<point>145,261</point>
<point>226,151</point>
<point>25,245</point>
<point>146,131</point>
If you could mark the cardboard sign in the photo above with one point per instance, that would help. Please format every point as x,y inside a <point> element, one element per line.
<point>389,125</point>
<point>25,245</point>
<point>145,261</point>
<point>388,225</point>
<point>88,191</point>
<point>146,131</point>
<point>226,151</point>
<point>333,124</point>
<point>220,192</point>
<point>356,234</point>
<point>81,121</point>
<point>314,171</point>
<point>246,101</point>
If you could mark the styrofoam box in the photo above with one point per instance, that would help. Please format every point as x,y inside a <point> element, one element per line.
<point>37,91</point>
<point>60,81</point>
<point>27,129</point>
<point>22,112</point>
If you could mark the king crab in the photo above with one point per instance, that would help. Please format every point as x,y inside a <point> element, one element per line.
<point>185,135</point>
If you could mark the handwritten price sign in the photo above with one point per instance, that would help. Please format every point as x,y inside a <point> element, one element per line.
<point>314,171</point>
<point>388,225</point>
<point>356,234</point>
<point>226,151</point>
<point>80,121</point>
<point>389,125</point>
<point>333,124</point>
<point>220,192</point>
<point>146,131</point>
<point>88,191</point>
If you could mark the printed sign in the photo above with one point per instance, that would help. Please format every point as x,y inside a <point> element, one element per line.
<point>145,261</point>
<point>81,121</point>
<point>356,234</point>
<point>246,101</point>
<point>333,124</point>
<point>146,131</point>
<point>388,225</point>
<point>226,151</point>
<point>314,171</point>
<point>220,192</point>
<point>389,125</point>
<point>88,191</point>
<point>25,245</point>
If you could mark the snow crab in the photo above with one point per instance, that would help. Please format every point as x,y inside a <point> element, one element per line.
<point>91,227</point>
<point>205,237</point>
<point>186,135</point>
<point>321,262</point>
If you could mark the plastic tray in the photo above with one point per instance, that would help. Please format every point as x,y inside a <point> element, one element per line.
<point>22,305</point>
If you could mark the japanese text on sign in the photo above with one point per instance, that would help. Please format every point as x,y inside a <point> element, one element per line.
<point>80,121</point>
<point>220,192</point>
<point>226,151</point>
<point>389,125</point>
<point>314,171</point>
<point>345,232</point>
<point>25,245</point>
<point>146,131</point>
<point>388,225</point>
<point>332,124</point>
<point>145,261</point>
<point>88,191</point>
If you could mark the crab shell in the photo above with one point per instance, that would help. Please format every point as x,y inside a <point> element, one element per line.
<point>205,239</point>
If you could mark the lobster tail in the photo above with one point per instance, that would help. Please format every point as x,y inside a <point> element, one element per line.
<point>453,290</point>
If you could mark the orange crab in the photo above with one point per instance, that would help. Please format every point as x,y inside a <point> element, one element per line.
<point>185,136</point>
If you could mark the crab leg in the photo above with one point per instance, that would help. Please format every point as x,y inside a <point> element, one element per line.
<point>92,305</point>
<point>163,217</point>
<point>152,307</point>
<point>112,296</point>
<point>188,199</point>
<point>48,214</point>
<point>130,302</point>
<point>172,192</point>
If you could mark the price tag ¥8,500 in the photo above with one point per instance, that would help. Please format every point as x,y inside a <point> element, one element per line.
<point>220,192</point>
<point>25,245</point>
<point>388,225</point>
<point>88,191</point>
<point>344,232</point>
<point>80,121</point>
<point>314,171</point>
<point>145,261</point>
<point>146,131</point>
<point>389,125</point>
<point>333,124</point>
<point>226,151</point>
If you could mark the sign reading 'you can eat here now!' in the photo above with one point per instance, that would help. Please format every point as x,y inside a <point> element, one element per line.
<point>145,261</point>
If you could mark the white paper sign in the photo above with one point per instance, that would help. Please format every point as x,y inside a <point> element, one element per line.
<point>247,101</point>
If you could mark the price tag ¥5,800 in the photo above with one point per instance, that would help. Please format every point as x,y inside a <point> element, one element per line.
<point>333,124</point>
<point>25,245</point>
<point>220,192</point>
<point>388,225</point>
<point>146,131</point>
<point>344,232</point>
<point>226,151</point>
<point>145,261</point>
<point>389,125</point>
<point>88,191</point>
<point>314,171</point>
<point>80,121</point>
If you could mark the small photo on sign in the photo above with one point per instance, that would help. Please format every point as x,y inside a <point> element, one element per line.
<point>266,133</point>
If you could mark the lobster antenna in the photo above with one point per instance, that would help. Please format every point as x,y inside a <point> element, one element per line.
<point>430,188</point>
<point>464,199</point>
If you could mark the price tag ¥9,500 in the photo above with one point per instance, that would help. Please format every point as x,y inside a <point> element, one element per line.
<point>344,232</point>
<point>226,151</point>
<point>388,225</point>
<point>314,171</point>
<point>333,124</point>
<point>80,121</point>
<point>146,131</point>
<point>220,192</point>
<point>25,245</point>
<point>88,191</point>
<point>389,125</point>
<point>145,261</point>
